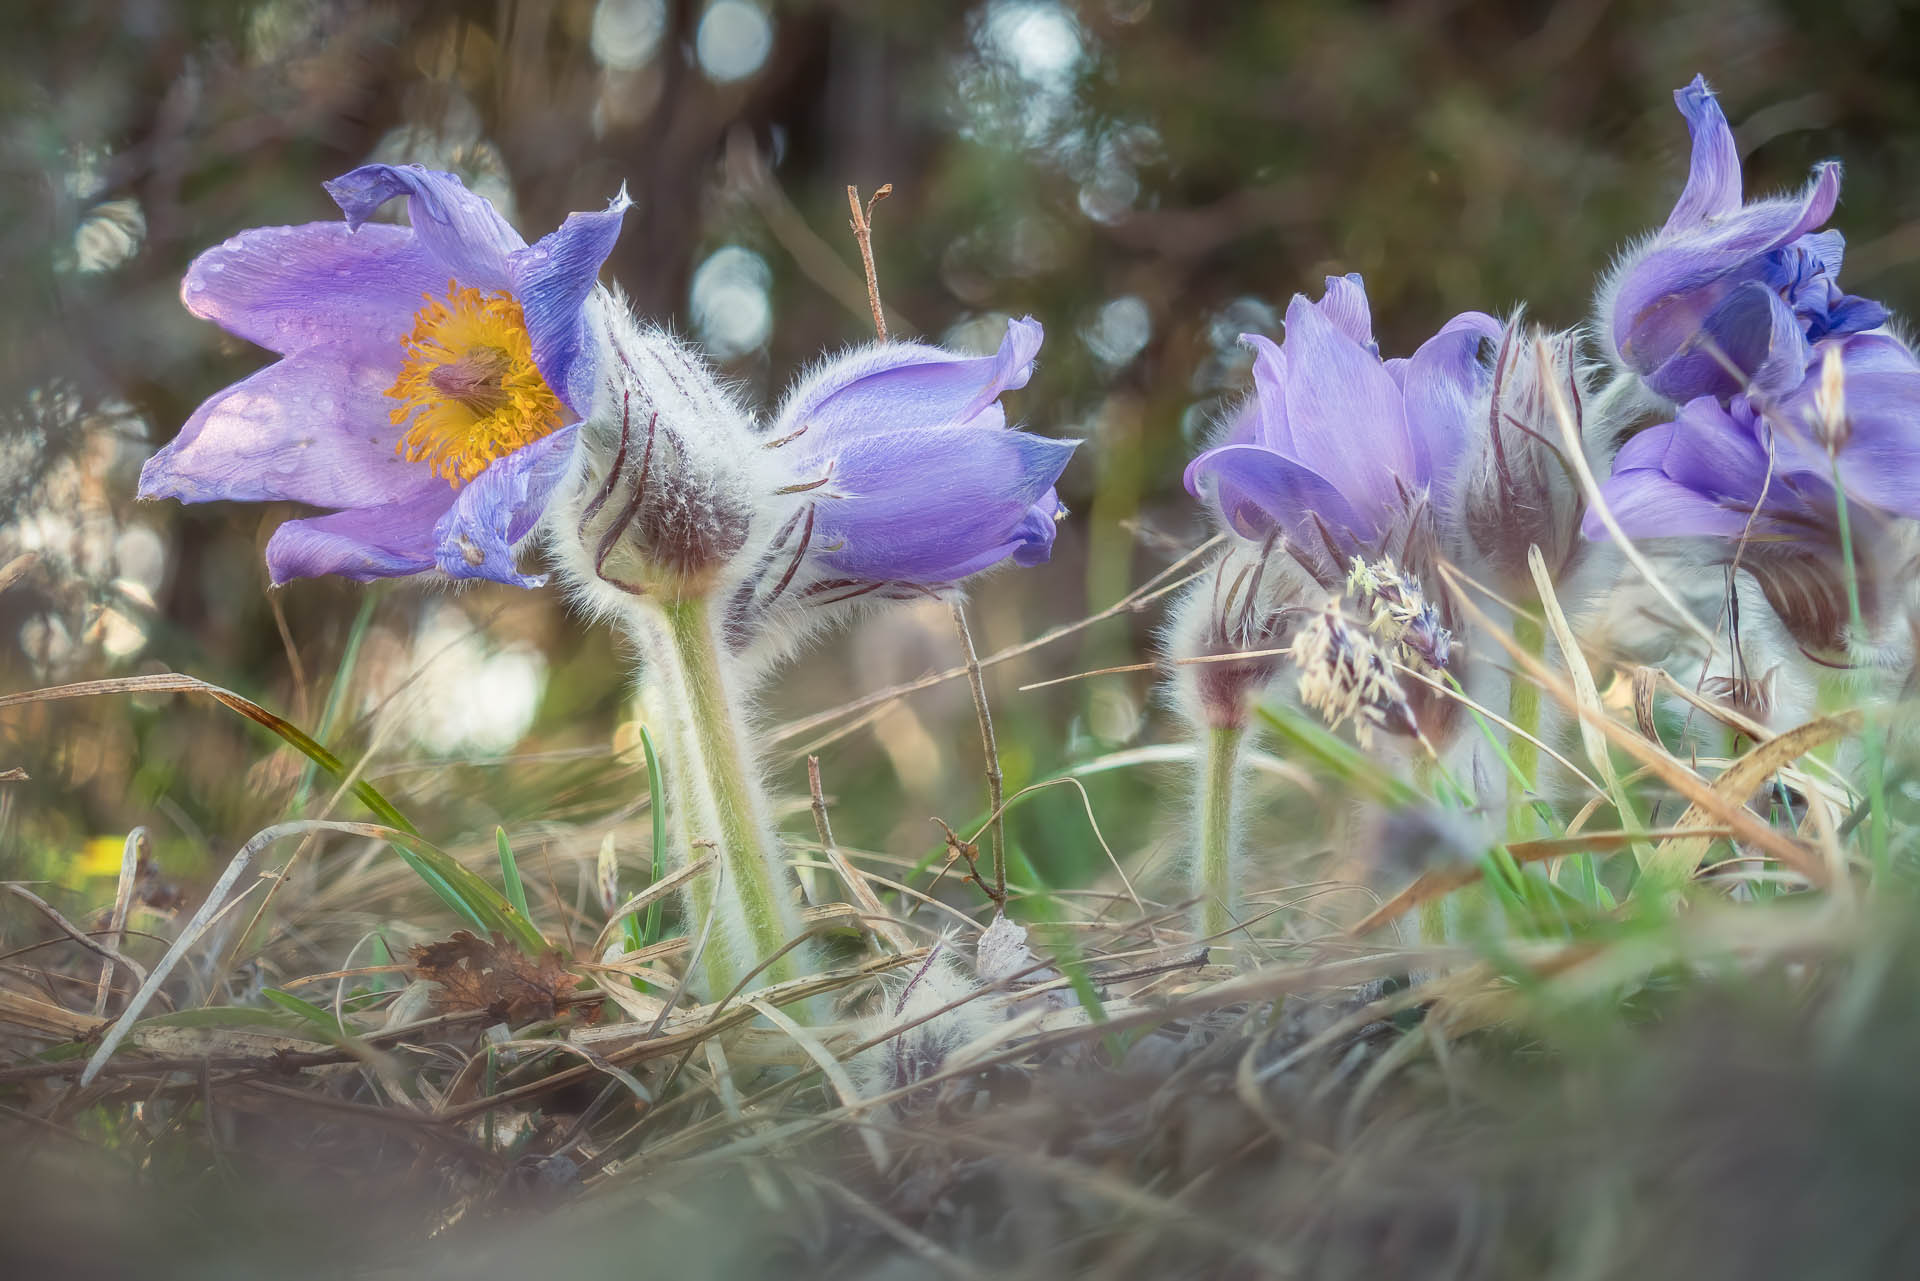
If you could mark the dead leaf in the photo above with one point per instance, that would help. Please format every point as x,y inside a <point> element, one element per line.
<point>471,973</point>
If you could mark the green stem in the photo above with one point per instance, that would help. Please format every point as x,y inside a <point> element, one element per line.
<point>717,791</point>
<point>1523,709</point>
<point>1219,769</point>
<point>1870,733</point>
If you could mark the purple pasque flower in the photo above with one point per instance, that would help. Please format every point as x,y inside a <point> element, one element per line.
<point>1744,470</point>
<point>429,381</point>
<point>1337,452</point>
<point>1758,477</point>
<point>910,477</point>
<point>1730,284</point>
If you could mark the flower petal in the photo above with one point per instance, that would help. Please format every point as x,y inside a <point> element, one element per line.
<point>1256,491</point>
<point>1267,409</point>
<point>320,284</point>
<point>1874,354</point>
<point>462,233</point>
<point>1704,449</point>
<point>307,429</point>
<point>1753,330</point>
<point>552,280</point>
<point>1345,306</point>
<point>1667,291</point>
<point>931,505</point>
<point>1880,463</point>
<point>363,543</point>
<point>889,387</point>
<point>1713,177</point>
<point>1828,248</point>
<point>1444,382</point>
<point>1032,542</point>
<point>496,511</point>
<point>1648,504</point>
<point>1347,417</point>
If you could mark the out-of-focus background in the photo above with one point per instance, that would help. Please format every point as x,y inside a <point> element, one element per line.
<point>1149,179</point>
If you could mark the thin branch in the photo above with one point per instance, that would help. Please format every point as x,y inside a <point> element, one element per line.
<point>862,224</point>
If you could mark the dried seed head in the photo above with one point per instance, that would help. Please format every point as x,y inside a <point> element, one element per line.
<point>606,880</point>
<point>1344,676</point>
<point>1402,615</point>
<point>1831,426</point>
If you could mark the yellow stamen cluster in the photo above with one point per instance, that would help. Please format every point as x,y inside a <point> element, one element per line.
<point>468,389</point>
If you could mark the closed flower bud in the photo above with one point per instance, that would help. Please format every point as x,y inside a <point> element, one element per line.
<point>1518,489</point>
<point>669,493</point>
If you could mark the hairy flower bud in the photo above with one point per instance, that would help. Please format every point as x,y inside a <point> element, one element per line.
<point>1228,629</point>
<point>669,493</point>
<point>1518,489</point>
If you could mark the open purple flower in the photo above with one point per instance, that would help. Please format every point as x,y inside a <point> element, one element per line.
<point>1338,451</point>
<point>912,477</point>
<point>1730,284</point>
<point>1761,480</point>
<point>429,381</point>
<point>1736,472</point>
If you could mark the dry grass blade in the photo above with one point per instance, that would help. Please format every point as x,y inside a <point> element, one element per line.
<point>1679,855</point>
<point>927,1251</point>
<point>1575,453</point>
<point>634,1085</point>
<point>1583,687</point>
<point>1675,775</point>
<point>43,1018</point>
<point>136,847</point>
<point>665,885</point>
<point>198,924</point>
<point>836,1074</point>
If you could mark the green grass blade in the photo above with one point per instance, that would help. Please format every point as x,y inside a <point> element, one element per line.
<point>336,693</point>
<point>467,893</point>
<point>510,874</point>
<point>637,935</point>
<point>322,1020</point>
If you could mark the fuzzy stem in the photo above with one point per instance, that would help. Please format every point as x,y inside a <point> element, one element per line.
<point>720,802</point>
<point>1523,709</point>
<point>1215,871</point>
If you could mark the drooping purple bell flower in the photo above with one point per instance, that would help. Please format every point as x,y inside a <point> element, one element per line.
<point>1338,452</point>
<point>1758,478</point>
<point>911,477</point>
<point>430,379</point>
<point>1727,295</point>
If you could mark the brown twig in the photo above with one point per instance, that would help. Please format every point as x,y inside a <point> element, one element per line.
<point>74,932</point>
<point>875,912</point>
<point>862,224</point>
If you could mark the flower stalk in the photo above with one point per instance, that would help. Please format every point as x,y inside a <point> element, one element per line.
<point>718,793</point>
<point>1218,772</point>
<point>1523,709</point>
